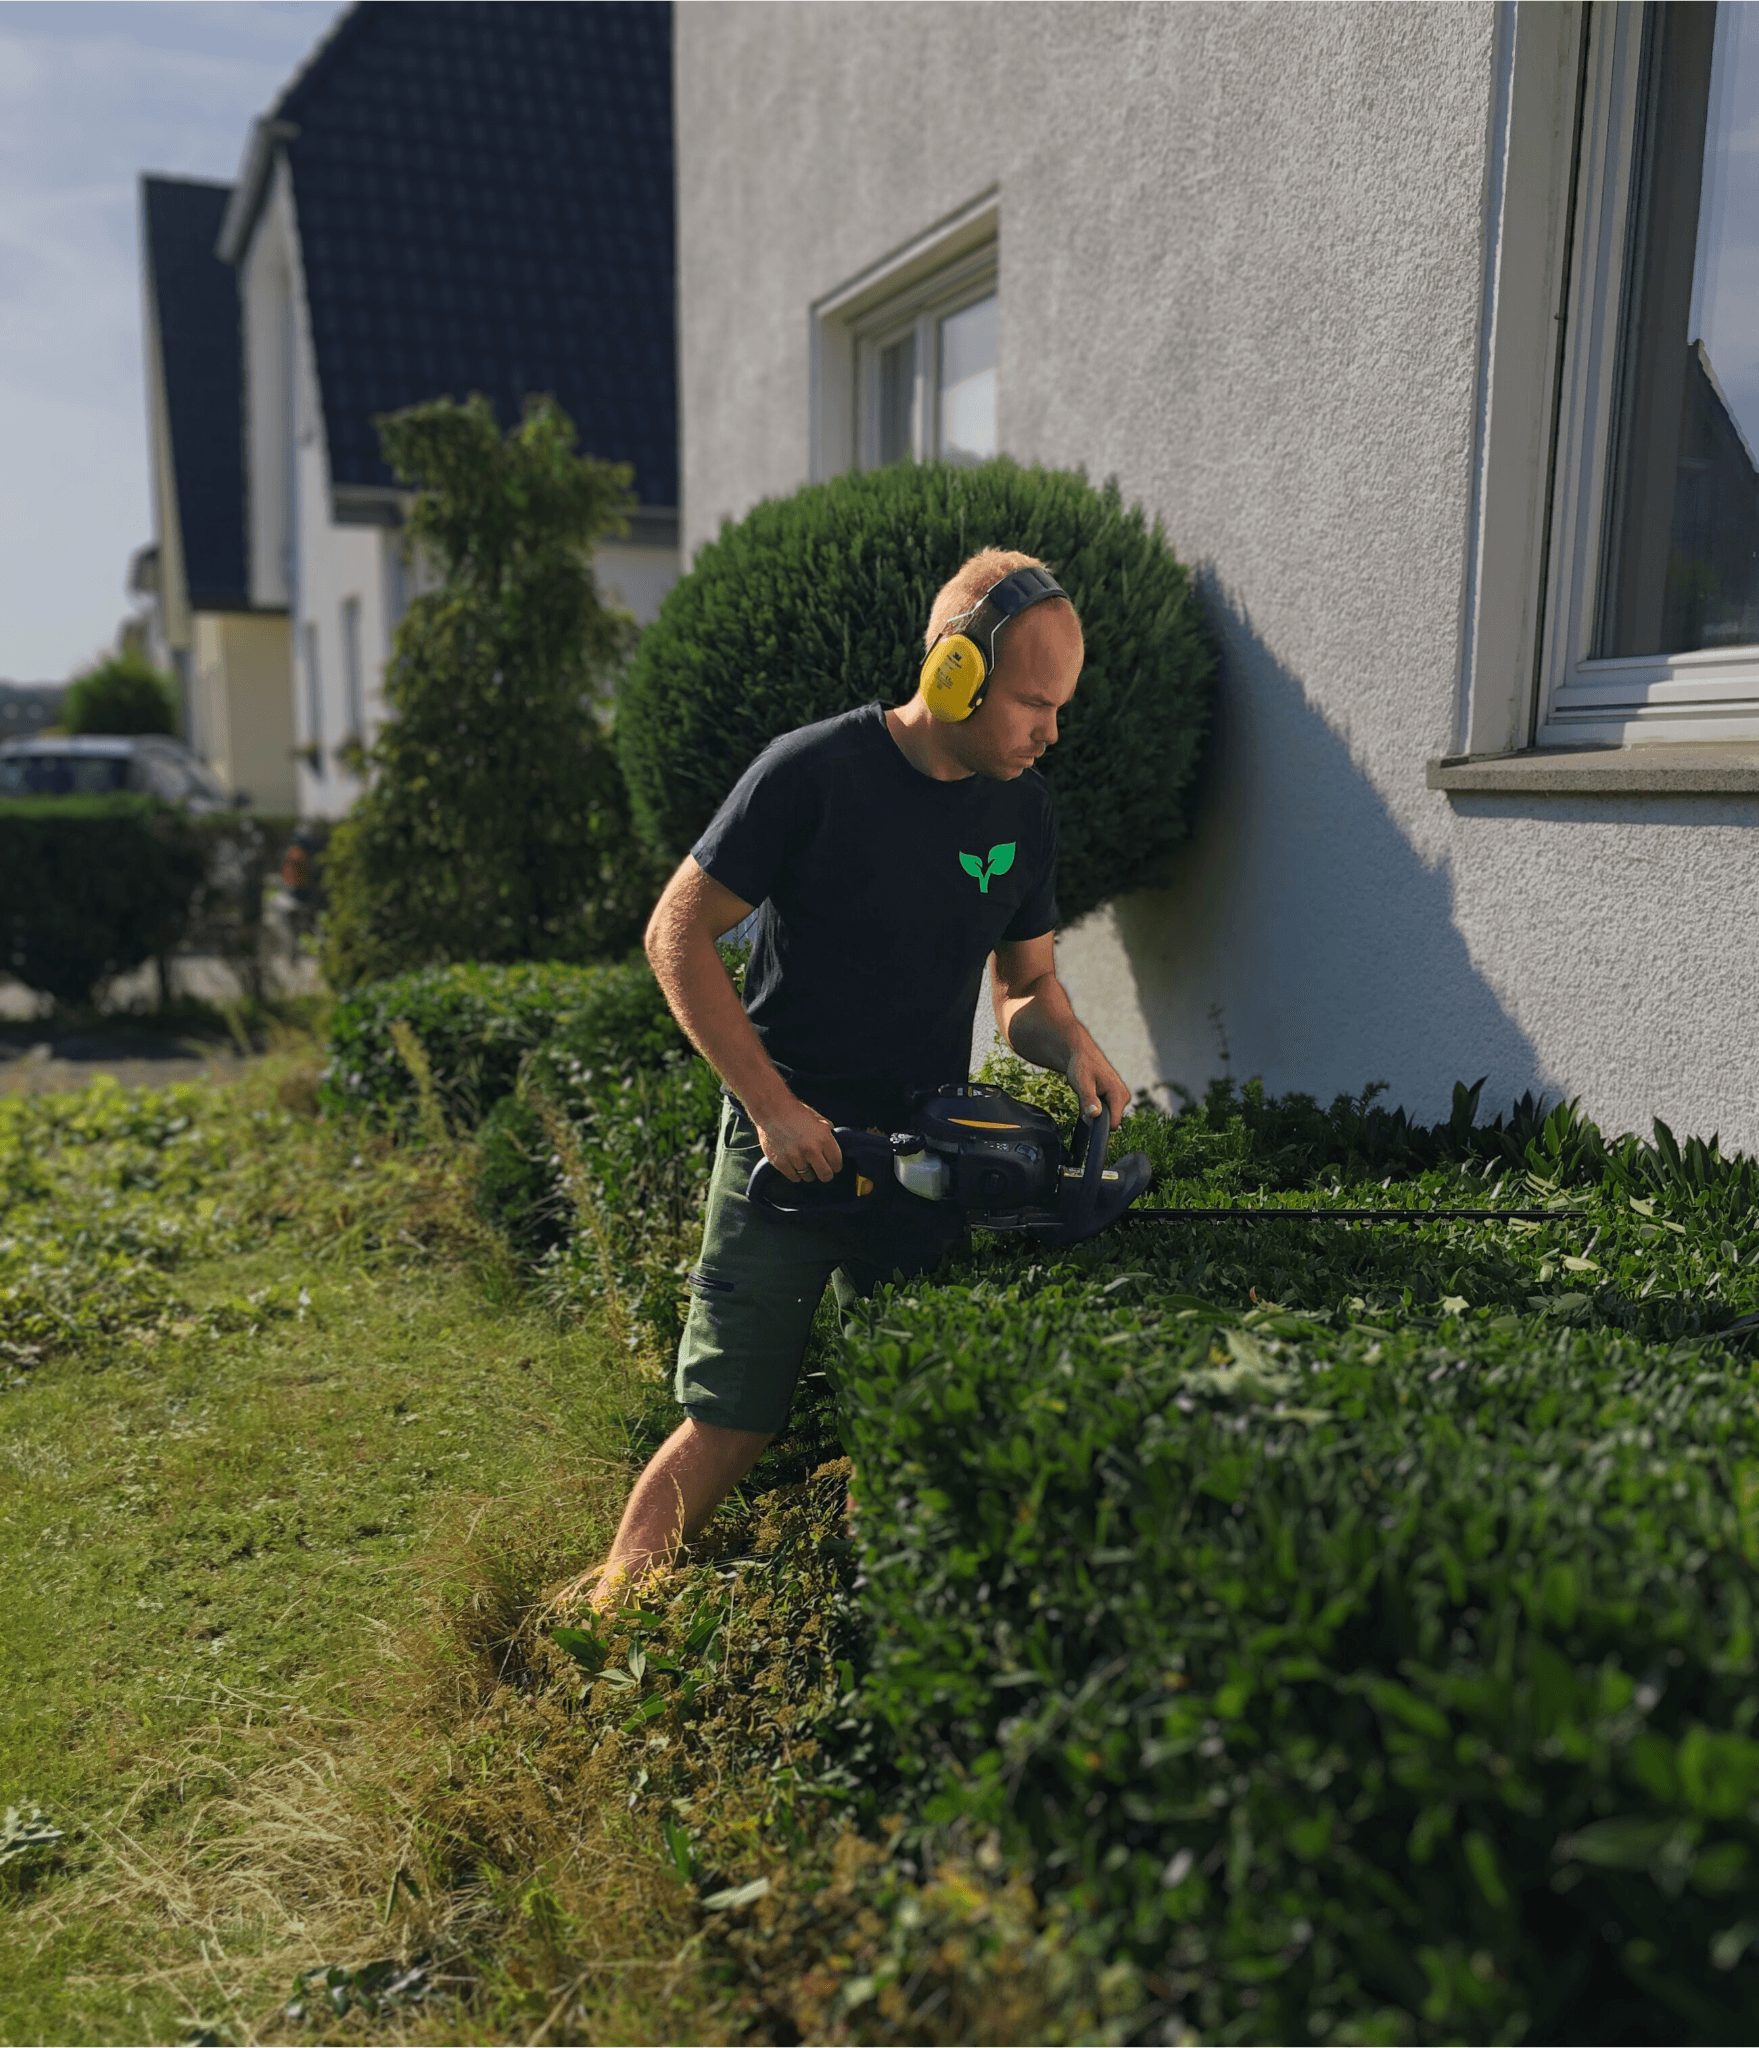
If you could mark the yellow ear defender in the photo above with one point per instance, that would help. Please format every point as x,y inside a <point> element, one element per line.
<point>956,675</point>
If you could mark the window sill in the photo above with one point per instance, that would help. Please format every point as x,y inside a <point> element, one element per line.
<point>1661,768</point>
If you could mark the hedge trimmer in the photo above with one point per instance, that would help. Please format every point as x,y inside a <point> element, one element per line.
<point>1002,1163</point>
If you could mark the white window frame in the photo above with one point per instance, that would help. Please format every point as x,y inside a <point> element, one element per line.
<point>918,312</point>
<point>1708,695</point>
<point>951,266</point>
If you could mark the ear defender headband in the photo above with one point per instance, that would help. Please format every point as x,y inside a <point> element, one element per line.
<point>956,675</point>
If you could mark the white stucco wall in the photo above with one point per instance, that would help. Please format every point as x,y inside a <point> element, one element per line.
<point>301,555</point>
<point>1242,258</point>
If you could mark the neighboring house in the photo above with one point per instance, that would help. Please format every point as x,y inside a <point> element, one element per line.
<point>448,199</point>
<point>229,654</point>
<point>1391,315</point>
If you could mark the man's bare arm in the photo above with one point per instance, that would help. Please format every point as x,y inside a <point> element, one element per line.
<point>1035,1016</point>
<point>691,914</point>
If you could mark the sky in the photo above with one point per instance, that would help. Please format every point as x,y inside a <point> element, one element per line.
<point>92,93</point>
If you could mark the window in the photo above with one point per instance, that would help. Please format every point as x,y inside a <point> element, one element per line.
<point>354,694</point>
<point>314,701</point>
<point>905,355</point>
<point>396,580</point>
<point>926,372</point>
<point>1652,626</point>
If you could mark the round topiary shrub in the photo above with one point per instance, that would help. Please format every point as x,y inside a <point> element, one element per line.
<point>816,603</point>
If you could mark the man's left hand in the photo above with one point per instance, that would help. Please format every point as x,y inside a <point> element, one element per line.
<point>1095,1080</point>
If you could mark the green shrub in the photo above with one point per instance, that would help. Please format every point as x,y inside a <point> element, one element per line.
<point>518,1180</point>
<point>815,603</point>
<point>123,694</point>
<point>595,1119</point>
<point>478,1024</point>
<point>642,1143</point>
<point>494,826</point>
<point>1356,1625</point>
<point>94,886</point>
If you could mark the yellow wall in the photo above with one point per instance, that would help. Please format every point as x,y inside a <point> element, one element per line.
<point>242,677</point>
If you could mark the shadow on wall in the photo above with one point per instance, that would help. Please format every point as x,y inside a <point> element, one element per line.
<point>1300,928</point>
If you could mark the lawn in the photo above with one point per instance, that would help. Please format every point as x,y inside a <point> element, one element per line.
<point>260,1380</point>
<point>1245,1631</point>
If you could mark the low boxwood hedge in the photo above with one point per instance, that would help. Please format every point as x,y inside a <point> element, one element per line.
<point>477,1026</point>
<point>1349,1632</point>
<point>594,1118</point>
<point>94,886</point>
<point>1357,1625</point>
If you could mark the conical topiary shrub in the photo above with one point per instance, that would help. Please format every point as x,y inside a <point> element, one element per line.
<point>815,603</point>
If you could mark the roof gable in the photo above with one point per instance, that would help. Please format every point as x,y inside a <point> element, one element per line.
<point>193,299</point>
<point>484,196</point>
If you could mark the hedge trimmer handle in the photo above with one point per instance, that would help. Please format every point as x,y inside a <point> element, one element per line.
<point>1087,1151</point>
<point>863,1185</point>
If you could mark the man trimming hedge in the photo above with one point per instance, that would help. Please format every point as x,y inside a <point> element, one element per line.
<point>889,854</point>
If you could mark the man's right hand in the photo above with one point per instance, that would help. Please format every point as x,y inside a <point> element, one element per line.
<point>798,1142</point>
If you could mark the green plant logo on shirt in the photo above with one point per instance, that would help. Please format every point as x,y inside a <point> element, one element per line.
<point>1001,859</point>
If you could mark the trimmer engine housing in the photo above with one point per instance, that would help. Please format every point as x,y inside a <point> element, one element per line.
<point>1000,1161</point>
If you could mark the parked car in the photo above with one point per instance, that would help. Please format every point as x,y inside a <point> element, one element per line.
<point>97,764</point>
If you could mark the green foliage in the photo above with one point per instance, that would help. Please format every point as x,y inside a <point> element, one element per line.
<point>478,1026</point>
<point>494,826</point>
<point>595,1119</point>
<point>94,886</point>
<point>517,1178</point>
<point>815,603</point>
<point>634,1138</point>
<point>1357,1624</point>
<point>122,694</point>
<point>221,1499</point>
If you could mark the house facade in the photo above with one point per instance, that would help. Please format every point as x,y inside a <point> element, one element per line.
<point>229,652</point>
<point>1430,334</point>
<point>447,199</point>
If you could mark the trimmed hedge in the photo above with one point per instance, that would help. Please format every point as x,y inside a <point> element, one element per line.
<point>478,1024</point>
<point>94,886</point>
<point>815,603</point>
<point>1358,1626</point>
<point>595,1118</point>
<point>1348,1633</point>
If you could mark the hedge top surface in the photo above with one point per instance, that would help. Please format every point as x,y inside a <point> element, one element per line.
<point>816,603</point>
<point>478,1023</point>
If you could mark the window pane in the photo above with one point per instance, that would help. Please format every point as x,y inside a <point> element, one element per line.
<point>1682,563</point>
<point>351,677</point>
<point>897,396</point>
<point>968,383</point>
<point>314,699</point>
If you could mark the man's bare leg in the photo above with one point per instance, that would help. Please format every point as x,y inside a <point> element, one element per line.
<point>686,1479</point>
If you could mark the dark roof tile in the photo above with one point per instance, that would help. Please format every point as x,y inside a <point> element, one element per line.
<point>193,297</point>
<point>484,191</point>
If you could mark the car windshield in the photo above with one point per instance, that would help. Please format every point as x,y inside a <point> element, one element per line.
<point>62,774</point>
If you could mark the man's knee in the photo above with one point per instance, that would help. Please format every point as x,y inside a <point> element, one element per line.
<point>727,1449</point>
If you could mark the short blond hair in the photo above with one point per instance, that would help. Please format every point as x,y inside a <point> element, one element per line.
<point>963,591</point>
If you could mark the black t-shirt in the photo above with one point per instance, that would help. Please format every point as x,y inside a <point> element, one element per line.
<point>882,894</point>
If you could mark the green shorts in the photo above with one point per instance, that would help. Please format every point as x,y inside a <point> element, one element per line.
<point>756,1287</point>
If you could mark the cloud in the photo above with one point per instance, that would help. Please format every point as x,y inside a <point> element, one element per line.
<point>90,97</point>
